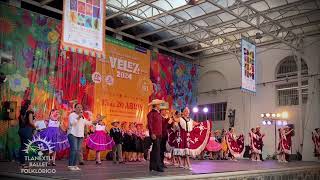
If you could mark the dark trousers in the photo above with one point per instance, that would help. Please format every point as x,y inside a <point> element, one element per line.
<point>163,149</point>
<point>155,162</point>
<point>25,135</point>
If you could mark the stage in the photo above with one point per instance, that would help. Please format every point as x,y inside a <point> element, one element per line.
<point>202,169</point>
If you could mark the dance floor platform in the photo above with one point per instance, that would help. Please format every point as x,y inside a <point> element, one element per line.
<point>202,169</point>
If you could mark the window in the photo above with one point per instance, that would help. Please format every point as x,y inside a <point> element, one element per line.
<point>287,93</point>
<point>216,112</point>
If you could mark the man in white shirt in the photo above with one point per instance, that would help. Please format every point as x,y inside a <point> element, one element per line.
<point>77,123</point>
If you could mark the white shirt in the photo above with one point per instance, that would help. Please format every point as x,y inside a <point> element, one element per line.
<point>100,127</point>
<point>53,123</point>
<point>76,126</point>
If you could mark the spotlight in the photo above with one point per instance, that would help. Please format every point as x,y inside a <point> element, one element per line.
<point>273,115</point>
<point>269,122</point>
<point>285,115</point>
<point>264,122</point>
<point>195,109</point>
<point>278,115</point>
<point>279,123</point>
<point>262,115</point>
<point>268,115</point>
<point>284,123</point>
<point>205,110</point>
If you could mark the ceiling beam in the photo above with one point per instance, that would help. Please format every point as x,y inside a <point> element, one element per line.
<point>181,8</point>
<point>113,30</point>
<point>44,2</point>
<point>239,31</point>
<point>192,36</point>
<point>238,20</point>
<point>251,37</point>
<point>131,8</point>
<point>290,42</point>
<point>258,45</point>
<point>207,15</point>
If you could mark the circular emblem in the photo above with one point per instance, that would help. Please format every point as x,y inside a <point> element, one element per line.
<point>37,146</point>
<point>109,80</point>
<point>96,77</point>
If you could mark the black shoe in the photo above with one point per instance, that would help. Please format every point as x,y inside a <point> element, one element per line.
<point>81,163</point>
<point>160,170</point>
<point>98,163</point>
<point>164,166</point>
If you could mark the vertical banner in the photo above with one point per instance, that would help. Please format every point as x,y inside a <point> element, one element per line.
<point>84,26</point>
<point>122,83</point>
<point>248,66</point>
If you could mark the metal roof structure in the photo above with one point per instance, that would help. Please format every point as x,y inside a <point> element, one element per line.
<point>203,28</point>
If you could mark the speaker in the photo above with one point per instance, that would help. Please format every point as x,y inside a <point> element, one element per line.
<point>8,110</point>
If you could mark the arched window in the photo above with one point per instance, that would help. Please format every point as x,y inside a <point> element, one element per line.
<point>288,92</point>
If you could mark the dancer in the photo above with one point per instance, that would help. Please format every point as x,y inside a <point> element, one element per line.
<point>140,139</point>
<point>76,128</point>
<point>55,135</point>
<point>224,146</point>
<point>192,138</point>
<point>235,144</point>
<point>26,128</point>
<point>132,149</point>
<point>116,134</point>
<point>155,130</point>
<point>174,139</point>
<point>126,141</point>
<point>254,145</point>
<point>284,146</point>
<point>316,141</point>
<point>99,140</point>
<point>166,124</point>
<point>213,146</point>
<point>260,141</point>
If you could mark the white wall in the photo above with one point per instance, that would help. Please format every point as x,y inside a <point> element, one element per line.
<point>248,107</point>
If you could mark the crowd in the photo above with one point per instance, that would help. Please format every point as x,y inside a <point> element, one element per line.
<point>170,138</point>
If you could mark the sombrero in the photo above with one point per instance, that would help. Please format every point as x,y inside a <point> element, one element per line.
<point>100,117</point>
<point>114,121</point>
<point>156,101</point>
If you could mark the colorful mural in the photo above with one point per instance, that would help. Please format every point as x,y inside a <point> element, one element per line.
<point>174,80</point>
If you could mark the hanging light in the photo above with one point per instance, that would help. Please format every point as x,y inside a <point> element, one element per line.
<point>279,123</point>
<point>195,109</point>
<point>273,115</point>
<point>284,123</point>
<point>264,122</point>
<point>268,115</point>
<point>262,115</point>
<point>205,110</point>
<point>278,115</point>
<point>269,122</point>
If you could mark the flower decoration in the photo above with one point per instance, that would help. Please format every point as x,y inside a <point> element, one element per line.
<point>26,18</point>
<point>42,20</point>
<point>27,53</point>
<point>17,83</point>
<point>6,26</point>
<point>83,81</point>
<point>53,36</point>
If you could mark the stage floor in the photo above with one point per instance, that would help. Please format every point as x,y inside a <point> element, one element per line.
<point>108,170</point>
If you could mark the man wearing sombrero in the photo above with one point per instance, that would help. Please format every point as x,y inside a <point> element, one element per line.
<point>116,134</point>
<point>155,130</point>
